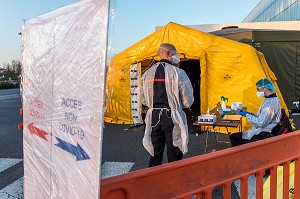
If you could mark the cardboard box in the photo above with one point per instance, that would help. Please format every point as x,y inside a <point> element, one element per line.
<point>207,119</point>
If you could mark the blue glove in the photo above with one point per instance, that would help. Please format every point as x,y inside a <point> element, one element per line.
<point>242,112</point>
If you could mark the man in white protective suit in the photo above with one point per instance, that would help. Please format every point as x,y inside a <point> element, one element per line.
<point>166,89</point>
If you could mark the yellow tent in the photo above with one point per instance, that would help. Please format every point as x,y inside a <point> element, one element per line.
<point>227,68</point>
<point>279,192</point>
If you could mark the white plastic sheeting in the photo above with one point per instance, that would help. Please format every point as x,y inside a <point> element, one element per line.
<point>64,55</point>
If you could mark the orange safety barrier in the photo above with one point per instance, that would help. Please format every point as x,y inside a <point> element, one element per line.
<point>201,175</point>
<point>20,125</point>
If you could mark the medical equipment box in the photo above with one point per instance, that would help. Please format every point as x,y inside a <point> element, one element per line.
<point>207,119</point>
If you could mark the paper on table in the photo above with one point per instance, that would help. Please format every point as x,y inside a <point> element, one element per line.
<point>232,117</point>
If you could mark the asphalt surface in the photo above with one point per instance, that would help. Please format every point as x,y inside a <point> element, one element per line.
<point>121,143</point>
<point>11,142</point>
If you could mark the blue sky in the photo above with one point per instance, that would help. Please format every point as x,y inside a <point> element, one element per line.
<point>134,20</point>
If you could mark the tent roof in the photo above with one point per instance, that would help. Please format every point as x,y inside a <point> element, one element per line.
<point>190,43</point>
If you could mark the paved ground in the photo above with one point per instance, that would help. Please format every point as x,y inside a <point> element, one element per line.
<point>120,144</point>
<point>126,145</point>
<point>10,137</point>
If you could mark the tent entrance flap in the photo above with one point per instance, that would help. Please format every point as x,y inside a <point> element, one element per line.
<point>193,71</point>
<point>145,64</point>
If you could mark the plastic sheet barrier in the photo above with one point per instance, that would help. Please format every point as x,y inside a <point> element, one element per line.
<point>63,81</point>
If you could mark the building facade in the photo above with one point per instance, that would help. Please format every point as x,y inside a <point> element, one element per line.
<point>275,10</point>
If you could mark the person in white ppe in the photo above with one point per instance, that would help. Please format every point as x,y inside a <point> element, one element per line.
<point>267,117</point>
<point>166,90</point>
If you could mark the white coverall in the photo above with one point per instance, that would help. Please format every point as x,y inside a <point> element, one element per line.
<point>267,117</point>
<point>180,95</point>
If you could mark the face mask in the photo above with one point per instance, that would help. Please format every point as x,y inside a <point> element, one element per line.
<point>175,59</point>
<point>260,94</point>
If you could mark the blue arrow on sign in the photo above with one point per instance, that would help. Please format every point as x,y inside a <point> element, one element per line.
<point>74,150</point>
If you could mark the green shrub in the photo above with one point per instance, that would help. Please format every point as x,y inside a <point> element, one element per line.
<point>7,85</point>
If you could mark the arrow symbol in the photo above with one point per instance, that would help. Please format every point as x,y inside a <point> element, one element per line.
<point>74,150</point>
<point>34,130</point>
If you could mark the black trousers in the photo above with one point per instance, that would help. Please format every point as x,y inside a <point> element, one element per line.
<point>236,138</point>
<point>161,135</point>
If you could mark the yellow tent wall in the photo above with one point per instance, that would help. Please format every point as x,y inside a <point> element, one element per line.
<point>228,68</point>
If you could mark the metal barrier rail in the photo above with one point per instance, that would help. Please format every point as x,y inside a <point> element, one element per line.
<point>200,175</point>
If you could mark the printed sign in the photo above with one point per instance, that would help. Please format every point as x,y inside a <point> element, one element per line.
<point>64,56</point>
<point>135,94</point>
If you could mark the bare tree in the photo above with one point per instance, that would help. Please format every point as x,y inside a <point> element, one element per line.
<point>13,70</point>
